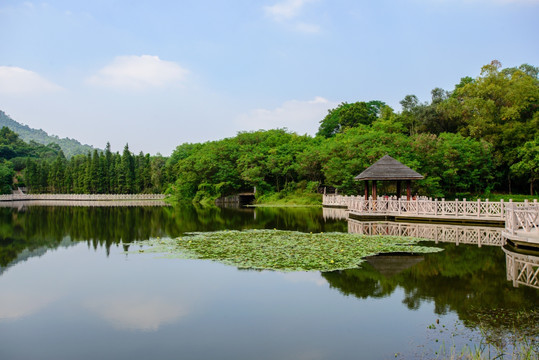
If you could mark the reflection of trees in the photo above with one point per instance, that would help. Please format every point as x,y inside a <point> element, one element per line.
<point>465,279</point>
<point>45,227</point>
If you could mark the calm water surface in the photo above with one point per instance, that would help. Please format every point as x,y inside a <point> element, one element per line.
<point>69,290</point>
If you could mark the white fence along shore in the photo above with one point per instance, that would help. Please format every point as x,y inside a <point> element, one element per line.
<point>81,197</point>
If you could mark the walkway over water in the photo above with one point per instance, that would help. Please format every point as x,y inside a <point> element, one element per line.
<point>521,219</point>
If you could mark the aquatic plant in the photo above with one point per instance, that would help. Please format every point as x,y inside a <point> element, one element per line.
<point>284,250</point>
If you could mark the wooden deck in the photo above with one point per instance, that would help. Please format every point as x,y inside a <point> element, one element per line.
<point>521,220</point>
<point>522,223</point>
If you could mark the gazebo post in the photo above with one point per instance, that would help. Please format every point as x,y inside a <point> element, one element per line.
<point>408,189</point>
<point>374,189</point>
<point>398,189</point>
<point>366,189</point>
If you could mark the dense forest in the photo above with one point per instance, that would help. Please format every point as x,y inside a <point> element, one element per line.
<point>44,169</point>
<point>70,147</point>
<point>480,137</point>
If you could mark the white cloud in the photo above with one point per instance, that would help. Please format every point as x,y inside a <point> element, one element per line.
<point>285,10</point>
<point>138,72</point>
<point>299,116</point>
<point>15,80</point>
<point>17,305</point>
<point>137,313</point>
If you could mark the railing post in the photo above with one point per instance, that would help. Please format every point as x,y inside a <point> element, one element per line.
<point>502,208</point>
<point>478,208</point>
<point>456,207</point>
<point>436,207</point>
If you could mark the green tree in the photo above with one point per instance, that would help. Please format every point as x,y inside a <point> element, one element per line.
<point>349,115</point>
<point>528,166</point>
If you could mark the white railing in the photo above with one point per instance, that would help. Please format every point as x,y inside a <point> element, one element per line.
<point>86,203</point>
<point>420,207</point>
<point>81,197</point>
<point>521,216</point>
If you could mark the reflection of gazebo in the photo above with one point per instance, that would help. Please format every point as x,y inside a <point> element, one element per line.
<point>388,169</point>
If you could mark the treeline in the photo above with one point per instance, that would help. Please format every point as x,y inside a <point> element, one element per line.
<point>97,173</point>
<point>14,153</point>
<point>45,169</point>
<point>482,136</point>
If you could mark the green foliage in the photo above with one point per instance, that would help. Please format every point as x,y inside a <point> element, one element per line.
<point>285,250</point>
<point>96,173</point>
<point>266,160</point>
<point>528,166</point>
<point>6,177</point>
<point>349,115</point>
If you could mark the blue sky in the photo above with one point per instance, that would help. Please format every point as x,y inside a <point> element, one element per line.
<point>159,73</point>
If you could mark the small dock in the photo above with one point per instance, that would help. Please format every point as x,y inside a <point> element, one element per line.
<point>521,220</point>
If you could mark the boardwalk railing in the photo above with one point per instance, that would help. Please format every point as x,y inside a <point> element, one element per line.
<point>521,216</point>
<point>81,197</point>
<point>422,207</point>
<point>436,232</point>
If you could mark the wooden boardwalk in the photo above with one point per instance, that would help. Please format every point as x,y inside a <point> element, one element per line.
<point>521,219</point>
<point>422,208</point>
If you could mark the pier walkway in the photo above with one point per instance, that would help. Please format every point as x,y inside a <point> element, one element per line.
<point>521,219</point>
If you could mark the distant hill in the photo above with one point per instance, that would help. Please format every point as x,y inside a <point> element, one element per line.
<point>70,147</point>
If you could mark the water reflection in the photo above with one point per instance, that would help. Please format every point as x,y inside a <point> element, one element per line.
<point>457,234</point>
<point>136,311</point>
<point>522,268</point>
<point>187,300</point>
<point>31,231</point>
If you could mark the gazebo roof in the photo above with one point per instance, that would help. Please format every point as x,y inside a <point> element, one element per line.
<point>388,168</point>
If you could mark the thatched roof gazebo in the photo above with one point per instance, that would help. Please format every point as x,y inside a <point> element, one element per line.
<point>388,169</point>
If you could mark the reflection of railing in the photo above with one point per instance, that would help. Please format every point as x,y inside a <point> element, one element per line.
<point>22,204</point>
<point>439,233</point>
<point>522,221</point>
<point>334,213</point>
<point>422,207</point>
<point>81,197</point>
<point>522,269</point>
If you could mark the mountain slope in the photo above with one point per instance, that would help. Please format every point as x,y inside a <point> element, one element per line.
<point>69,146</point>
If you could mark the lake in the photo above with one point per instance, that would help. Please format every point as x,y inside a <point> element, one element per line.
<point>73,286</point>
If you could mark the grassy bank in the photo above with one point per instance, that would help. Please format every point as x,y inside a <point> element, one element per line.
<point>290,199</point>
